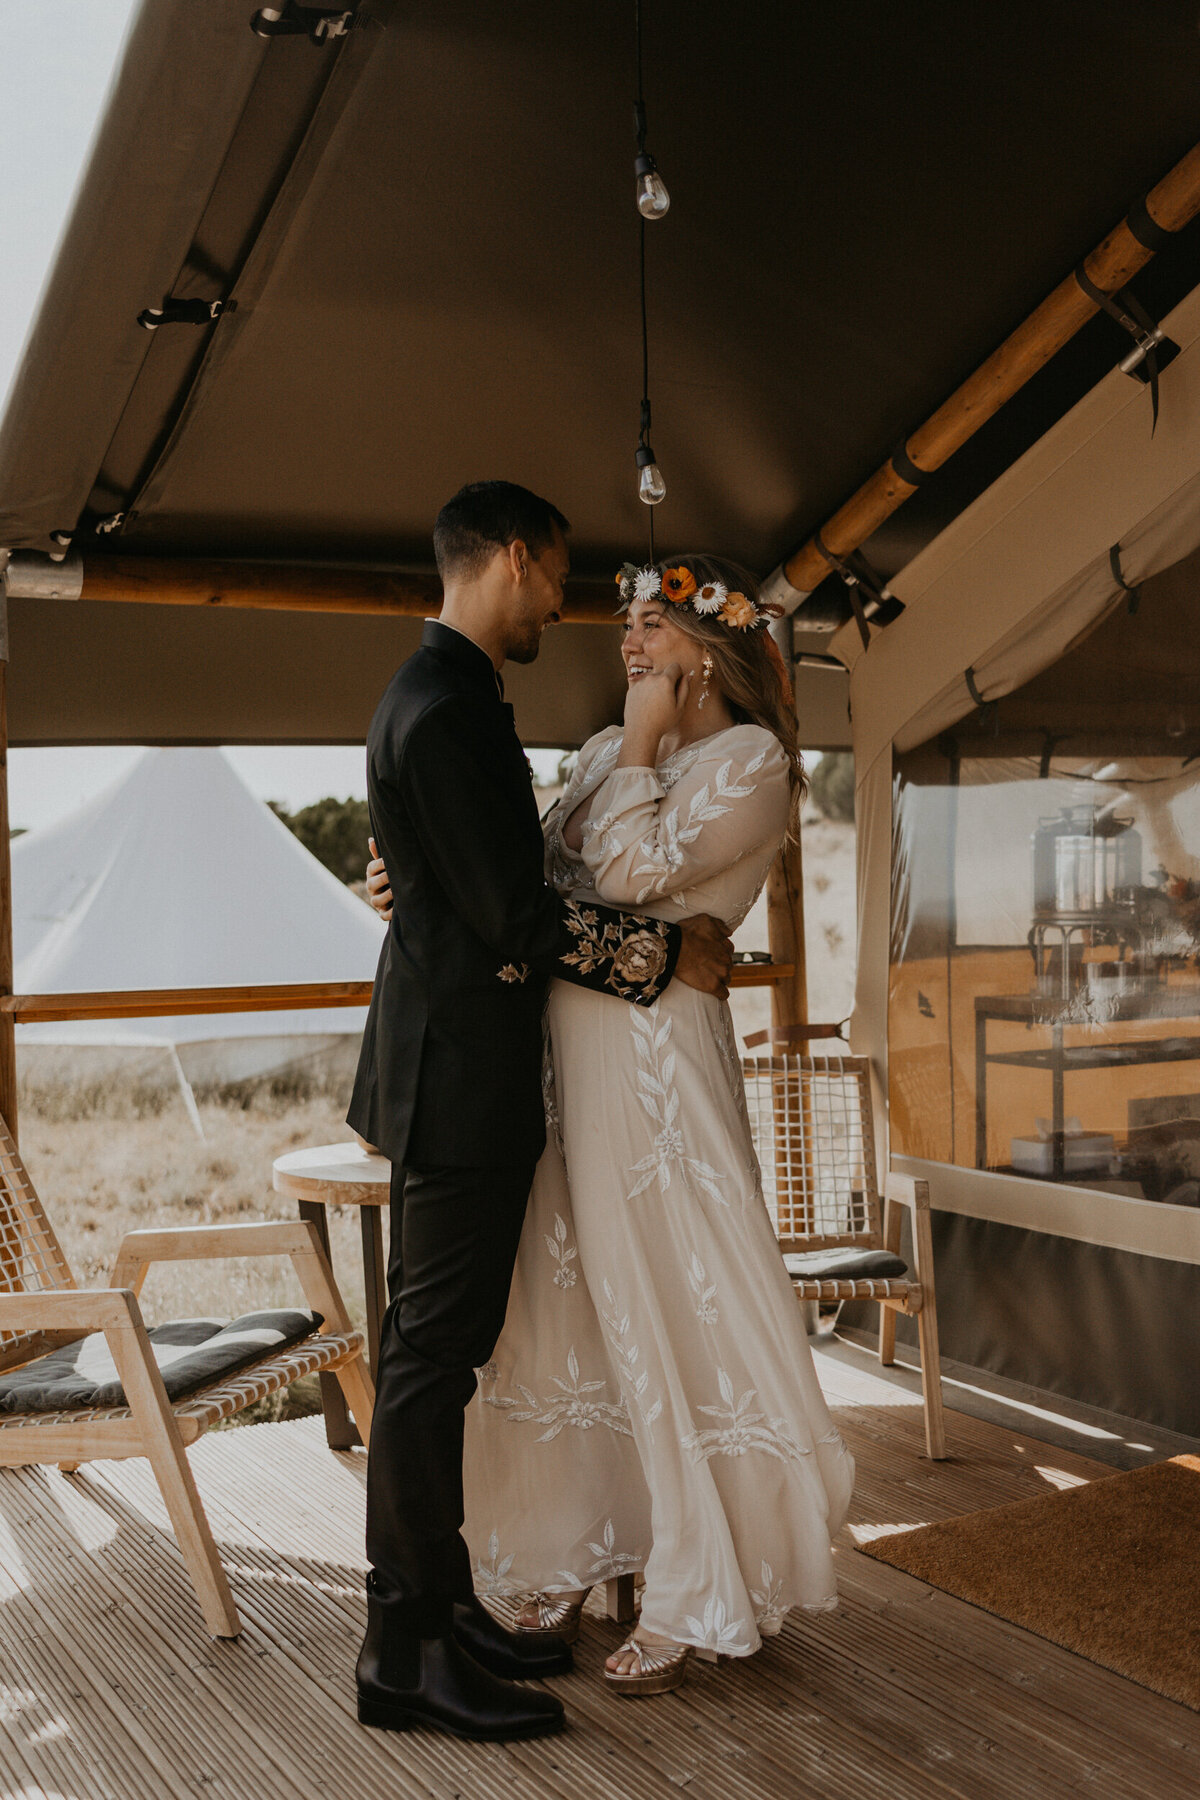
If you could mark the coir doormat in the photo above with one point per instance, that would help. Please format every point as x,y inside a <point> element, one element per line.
<point>1110,1570</point>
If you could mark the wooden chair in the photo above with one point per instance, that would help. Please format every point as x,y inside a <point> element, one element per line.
<point>42,1308</point>
<point>813,1132</point>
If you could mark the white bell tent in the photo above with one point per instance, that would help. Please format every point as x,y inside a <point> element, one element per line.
<point>177,876</point>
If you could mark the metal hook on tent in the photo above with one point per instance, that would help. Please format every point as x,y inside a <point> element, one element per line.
<point>1135,592</point>
<point>988,714</point>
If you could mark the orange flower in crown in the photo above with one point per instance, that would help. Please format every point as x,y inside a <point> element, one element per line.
<point>678,585</point>
<point>739,612</point>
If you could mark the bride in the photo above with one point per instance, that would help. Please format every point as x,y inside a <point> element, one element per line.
<point>651,1405</point>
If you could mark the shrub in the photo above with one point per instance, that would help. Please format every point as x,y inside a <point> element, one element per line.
<point>832,785</point>
<point>335,831</point>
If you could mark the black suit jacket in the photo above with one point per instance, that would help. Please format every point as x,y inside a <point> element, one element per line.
<point>450,1070</point>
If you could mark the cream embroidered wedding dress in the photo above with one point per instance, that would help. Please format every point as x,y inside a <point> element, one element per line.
<point>652,1402</point>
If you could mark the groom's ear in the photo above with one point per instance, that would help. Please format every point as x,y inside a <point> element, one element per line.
<point>518,559</point>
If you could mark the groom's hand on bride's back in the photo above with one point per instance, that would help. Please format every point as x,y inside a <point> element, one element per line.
<point>705,956</point>
<point>379,888</point>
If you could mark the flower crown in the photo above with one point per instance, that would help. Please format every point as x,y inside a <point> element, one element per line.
<point>681,588</point>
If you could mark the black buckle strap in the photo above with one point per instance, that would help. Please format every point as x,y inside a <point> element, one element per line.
<point>319,24</point>
<point>1152,351</point>
<point>860,578</point>
<point>1140,223</point>
<point>906,468</point>
<point>180,312</point>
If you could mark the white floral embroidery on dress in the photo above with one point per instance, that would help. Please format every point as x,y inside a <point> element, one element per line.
<point>769,1609</point>
<point>744,1431</point>
<point>704,1292</point>
<point>716,1631</point>
<point>487,1373</point>
<point>665,856</point>
<point>610,1562</point>
<point>492,1577</point>
<point>628,1356</point>
<point>569,1405</point>
<point>564,1254</point>
<point>659,1098</point>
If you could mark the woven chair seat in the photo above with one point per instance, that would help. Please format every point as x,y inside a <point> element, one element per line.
<point>908,1292</point>
<point>197,1411</point>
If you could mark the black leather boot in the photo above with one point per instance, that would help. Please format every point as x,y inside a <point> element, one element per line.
<point>528,1658</point>
<point>405,1680</point>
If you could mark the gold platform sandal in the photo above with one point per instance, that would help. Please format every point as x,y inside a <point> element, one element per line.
<point>551,1615</point>
<point>657,1668</point>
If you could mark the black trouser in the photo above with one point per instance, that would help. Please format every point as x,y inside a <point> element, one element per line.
<point>454,1241</point>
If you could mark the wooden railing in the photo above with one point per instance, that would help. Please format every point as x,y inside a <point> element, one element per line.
<point>152,1003</point>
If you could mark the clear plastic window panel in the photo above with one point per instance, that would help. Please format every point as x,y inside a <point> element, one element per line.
<point>1044,1001</point>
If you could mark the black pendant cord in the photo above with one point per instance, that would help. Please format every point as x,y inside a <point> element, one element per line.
<point>639,115</point>
<point>644,434</point>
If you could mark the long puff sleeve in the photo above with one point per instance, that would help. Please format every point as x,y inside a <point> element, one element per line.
<point>646,842</point>
<point>500,894</point>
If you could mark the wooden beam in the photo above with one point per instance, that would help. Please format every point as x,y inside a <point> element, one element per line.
<point>149,1003</point>
<point>153,1003</point>
<point>785,936</point>
<point>294,587</point>
<point>8,1047</point>
<point>1114,261</point>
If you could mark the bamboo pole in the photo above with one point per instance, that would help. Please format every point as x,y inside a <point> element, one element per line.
<point>1114,261</point>
<point>8,1042</point>
<point>288,587</point>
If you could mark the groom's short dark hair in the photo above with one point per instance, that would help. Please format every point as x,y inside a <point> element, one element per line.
<point>486,516</point>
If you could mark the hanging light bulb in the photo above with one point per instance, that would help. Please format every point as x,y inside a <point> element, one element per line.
<point>652,197</point>
<point>651,486</point>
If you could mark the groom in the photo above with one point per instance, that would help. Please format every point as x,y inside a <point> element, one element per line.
<point>449,1087</point>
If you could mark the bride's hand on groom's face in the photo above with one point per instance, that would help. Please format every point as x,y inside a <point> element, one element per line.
<point>705,956</point>
<point>379,888</point>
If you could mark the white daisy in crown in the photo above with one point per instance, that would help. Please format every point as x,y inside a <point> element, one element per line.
<point>710,598</point>
<point>646,584</point>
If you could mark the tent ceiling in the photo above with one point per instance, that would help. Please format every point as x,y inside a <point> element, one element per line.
<point>428,234</point>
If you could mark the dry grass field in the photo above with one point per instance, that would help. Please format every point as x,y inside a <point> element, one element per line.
<point>103,1175</point>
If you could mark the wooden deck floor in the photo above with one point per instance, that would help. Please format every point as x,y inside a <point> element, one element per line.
<point>112,1689</point>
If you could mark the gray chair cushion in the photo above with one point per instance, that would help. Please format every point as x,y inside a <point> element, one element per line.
<point>190,1353</point>
<point>844,1265</point>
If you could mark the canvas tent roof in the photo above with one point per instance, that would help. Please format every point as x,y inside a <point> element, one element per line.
<point>176,876</point>
<point>424,237</point>
<point>1006,591</point>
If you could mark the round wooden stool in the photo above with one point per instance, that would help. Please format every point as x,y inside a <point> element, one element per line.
<point>343,1175</point>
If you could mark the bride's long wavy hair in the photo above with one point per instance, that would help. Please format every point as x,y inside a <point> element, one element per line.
<point>747,667</point>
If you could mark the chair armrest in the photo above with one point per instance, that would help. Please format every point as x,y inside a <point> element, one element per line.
<point>907,1190</point>
<point>71,1309</point>
<point>283,1237</point>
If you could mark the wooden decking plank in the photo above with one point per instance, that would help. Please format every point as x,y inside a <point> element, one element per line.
<point>906,1693</point>
<point>1096,1705</point>
<point>94,1634</point>
<point>183,1661</point>
<point>961,1701</point>
<point>40,1750</point>
<point>318,1635</point>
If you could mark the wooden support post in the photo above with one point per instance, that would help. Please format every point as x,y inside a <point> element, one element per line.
<point>8,1041</point>
<point>785,936</point>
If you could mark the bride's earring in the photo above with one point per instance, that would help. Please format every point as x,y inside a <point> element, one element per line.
<point>707,667</point>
